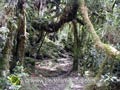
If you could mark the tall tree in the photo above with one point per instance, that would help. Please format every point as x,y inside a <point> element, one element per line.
<point>21,34</point>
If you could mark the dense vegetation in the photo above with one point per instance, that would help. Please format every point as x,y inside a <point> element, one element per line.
<point>84,32</point>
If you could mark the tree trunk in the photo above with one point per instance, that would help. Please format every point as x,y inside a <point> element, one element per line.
<point>109,50</point>
<point>76,48</point>
<point>4,51</point>
<point>21,36</point>
<point>6,58</point>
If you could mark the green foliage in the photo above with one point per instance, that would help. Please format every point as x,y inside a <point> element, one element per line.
<point>14,79</point>
<point>51,50</point>
<point>2,82</point>
<point>10,83</point>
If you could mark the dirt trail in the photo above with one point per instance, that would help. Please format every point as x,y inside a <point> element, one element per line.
<point>54,75</point>
<point>54,83</point>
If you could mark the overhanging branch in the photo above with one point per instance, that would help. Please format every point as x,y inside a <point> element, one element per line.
<point>69,13</point>
<point>111,51</point>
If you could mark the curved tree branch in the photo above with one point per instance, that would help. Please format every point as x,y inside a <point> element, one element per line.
<point>69,13</point>
<point>98,43</point>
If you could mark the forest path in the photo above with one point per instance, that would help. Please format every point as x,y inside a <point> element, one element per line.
<point>53,68</point>
<point>54,75</point>
<point>54,83</point>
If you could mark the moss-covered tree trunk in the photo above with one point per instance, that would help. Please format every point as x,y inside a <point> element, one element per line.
<point>6,53</point>
<point>4,57</point>
<point>6,42</point>
<point>21,36</point>
<point>111,51</point>
<point>76,47</point>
